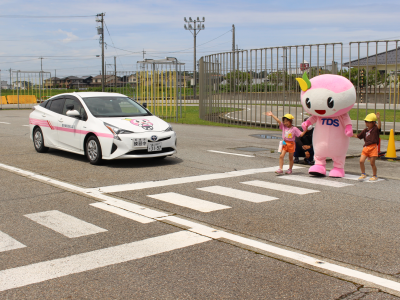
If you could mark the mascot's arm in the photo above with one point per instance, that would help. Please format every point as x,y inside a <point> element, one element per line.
<point>348,131</point>
<point>311,120</point>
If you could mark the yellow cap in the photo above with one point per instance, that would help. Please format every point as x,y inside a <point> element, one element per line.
<point>370,117</point>
<point>288,116</point>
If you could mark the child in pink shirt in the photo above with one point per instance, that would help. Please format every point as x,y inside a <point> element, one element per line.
<point>289,134</point>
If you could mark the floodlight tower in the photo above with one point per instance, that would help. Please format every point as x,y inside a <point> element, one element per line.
<point>194,29</point>
<point>100,31</point>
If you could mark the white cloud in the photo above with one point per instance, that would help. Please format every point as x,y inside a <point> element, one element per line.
<point>70,36</point>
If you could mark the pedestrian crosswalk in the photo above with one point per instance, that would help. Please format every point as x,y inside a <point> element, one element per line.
<point>73,227</point>
<point>7,243</point>
<point>64,224</point>
<point>280,187</point>
<point>189,202</point>
<point>238,194</point>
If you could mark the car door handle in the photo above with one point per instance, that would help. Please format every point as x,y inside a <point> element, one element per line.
<point>61,120</point>
<point>43,116</point>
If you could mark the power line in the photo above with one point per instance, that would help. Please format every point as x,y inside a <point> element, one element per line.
<point>40,17</point>
<point>112,42</point>
<point>174,51</point>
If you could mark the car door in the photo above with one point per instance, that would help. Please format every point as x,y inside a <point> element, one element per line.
<point>71,131</point>
<point>53,116</point>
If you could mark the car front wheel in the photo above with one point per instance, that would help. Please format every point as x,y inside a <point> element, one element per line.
<point>38,141</point>
<point>93,150</point>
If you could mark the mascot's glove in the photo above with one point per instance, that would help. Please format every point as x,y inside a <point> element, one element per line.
<point>305,124</point>
<point>348,130</point>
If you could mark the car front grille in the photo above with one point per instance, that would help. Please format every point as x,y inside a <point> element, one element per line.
<point>144,151</point>
<point>160,140</point>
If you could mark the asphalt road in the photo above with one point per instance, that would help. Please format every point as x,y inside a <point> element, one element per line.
<point>198,225</point>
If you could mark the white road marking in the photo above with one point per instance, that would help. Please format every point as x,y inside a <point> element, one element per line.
<point>65,224</point>
<point>8,243</point>
<point>123,213</point>
<point>182,180</point>
<point>94,193</point>
<point>26,125</point>
<point>238,194</point>
<point>189,202</point>
<point>18,277</point>
<point>230,153</point>
<point>355,177</point>
<point>147,212</point>
<point>280,187</point>
<point>315,180</point>
<point>357,275</point>
<point>39,272</point>
<point>5,123</point>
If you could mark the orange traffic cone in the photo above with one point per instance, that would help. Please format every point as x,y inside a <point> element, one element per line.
<point>391,149</point>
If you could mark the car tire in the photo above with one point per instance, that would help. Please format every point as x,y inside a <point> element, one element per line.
<point>38,141</point>
<point>93,150</point>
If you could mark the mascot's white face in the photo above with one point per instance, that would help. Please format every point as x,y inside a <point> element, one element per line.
<point>328,95</point>
<point>323,102</point>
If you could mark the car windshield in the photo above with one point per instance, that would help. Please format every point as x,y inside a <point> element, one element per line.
<point>109,106</point>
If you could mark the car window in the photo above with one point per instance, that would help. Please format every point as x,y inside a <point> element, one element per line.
<point>57,105</point>
<point>43,104</point>
<point>114,106</point>
<point>76,103</point>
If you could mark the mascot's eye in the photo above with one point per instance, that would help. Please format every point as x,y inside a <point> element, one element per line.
<point>330,102</point>
<point>308,102</point>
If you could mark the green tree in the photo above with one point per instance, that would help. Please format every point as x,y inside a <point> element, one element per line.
<point>237,78</point>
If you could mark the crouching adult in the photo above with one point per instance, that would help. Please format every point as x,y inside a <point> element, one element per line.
<point>304,147</point>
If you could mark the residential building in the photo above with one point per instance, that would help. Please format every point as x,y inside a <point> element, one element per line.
<point>381,62</point>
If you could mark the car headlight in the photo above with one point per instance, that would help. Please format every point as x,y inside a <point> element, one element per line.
<point>169,128</point>
<point>116,130</point>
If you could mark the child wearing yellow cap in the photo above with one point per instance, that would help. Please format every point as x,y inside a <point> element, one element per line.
<point>289,134</point>
<point>370,148</point>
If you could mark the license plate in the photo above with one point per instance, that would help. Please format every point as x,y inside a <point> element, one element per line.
<point>139,142</point>
<point>151,147</point>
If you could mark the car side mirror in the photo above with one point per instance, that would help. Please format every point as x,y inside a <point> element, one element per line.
<point>145,105</point>
<point>73,113</point>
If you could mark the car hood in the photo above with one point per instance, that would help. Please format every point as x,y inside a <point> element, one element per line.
<point>137,124</point>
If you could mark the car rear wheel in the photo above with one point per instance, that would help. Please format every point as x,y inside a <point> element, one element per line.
<point>38,141</point>
<point>93,150</point>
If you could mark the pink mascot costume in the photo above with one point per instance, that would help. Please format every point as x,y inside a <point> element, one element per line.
<point>328,99</point>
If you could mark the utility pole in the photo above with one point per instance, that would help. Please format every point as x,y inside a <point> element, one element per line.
<point>144,52</point>
<point>100,31</point>
<point>115,72</point>
<point>41,78</point>
<point>10,80</point>
<point>233,49</point>
<point>195,29</point>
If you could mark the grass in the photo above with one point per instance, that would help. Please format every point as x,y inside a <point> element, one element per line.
<point>388,116</point>
<point>191,116</point>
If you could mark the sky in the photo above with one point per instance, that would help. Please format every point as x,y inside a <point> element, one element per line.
<point>64,33</point>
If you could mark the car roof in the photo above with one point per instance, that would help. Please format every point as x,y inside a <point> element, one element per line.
<point>91,94</point>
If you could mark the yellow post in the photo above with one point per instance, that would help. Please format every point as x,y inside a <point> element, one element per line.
<point>175,91</point>
<point>390,90</point>
<point>184,89</point>
<point>142,82</point>
<point>162,91</point>
<point>152,92</point>
<point>169,88</point>
<point>398,90</point>
<point>391,149</point>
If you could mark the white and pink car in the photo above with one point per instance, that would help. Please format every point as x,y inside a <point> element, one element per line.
<point>100,126</point>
